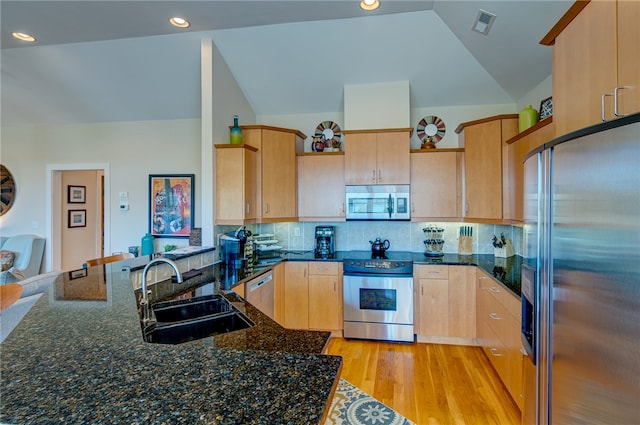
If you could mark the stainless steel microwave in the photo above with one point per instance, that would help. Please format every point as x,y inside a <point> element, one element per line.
<point>378,202</point>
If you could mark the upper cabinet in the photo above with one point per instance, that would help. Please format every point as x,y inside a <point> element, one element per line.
<point>482,140</point>
<point>236,192</point>
<point>514,151</point>
<point>436,184</point>
<point>321,194</point>
<point>257,181</point>
<point>596,63</point>
<point>377,156</point>
<point>276,176</point>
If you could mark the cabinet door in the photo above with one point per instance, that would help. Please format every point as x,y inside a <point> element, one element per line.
<point>321,187</point>
<point>462,301</point>
<point>360,158</point>
<point>235,185</point>
<point>434,185</point>
<point>325,302</point>
<point>584,67</point>
<point>279,179</point>
<point>434,307</point>
<point>296,295</point>
<point>279,293</point>
<point>629,56</point>
<point>393,158</point>
<point>483,170</point>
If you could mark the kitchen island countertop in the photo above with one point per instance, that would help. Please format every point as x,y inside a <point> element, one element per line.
<point>78,357</point>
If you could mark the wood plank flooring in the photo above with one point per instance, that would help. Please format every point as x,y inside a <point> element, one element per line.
<point>430,384</point>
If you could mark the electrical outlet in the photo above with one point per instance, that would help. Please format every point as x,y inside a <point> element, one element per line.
<point>296,231</point>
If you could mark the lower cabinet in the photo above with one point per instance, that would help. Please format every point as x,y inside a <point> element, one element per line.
<point>498,330</point>
<point>445,307</point>
<point>312,295</point>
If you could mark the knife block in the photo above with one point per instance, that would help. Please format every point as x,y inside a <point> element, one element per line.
<point>465,245</point>
<point>505,252</point>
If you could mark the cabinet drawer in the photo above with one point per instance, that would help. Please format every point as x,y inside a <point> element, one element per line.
<point>498,318</point>
<point>496,352</point>
<point>323,268</point>
<point>500,293</point>
<point>433,272</point>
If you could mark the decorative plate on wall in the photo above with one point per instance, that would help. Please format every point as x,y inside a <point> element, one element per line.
<point>431,129</point>
<point>331,132</point>
<point>7,190</point>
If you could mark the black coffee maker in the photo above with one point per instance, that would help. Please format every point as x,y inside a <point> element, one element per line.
<point>325,241</point>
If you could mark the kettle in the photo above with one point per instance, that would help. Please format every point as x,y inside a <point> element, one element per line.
<point>378,247</point>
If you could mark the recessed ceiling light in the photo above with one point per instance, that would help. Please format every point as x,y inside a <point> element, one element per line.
<point>180,22</point>
<point>23,36</point>
<point>369,4</point>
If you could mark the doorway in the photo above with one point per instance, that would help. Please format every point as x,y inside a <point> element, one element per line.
<point>77,214</point>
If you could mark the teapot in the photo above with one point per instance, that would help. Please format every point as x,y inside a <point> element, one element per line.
<point>378,247</point>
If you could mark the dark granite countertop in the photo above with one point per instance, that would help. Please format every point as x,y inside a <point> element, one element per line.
<point>504,270</point>
<point>78,357</point>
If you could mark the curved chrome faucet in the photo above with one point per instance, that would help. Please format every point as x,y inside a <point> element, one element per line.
<point>144,302</point>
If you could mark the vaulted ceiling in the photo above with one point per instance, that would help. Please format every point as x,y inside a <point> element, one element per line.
<point>117,61</point>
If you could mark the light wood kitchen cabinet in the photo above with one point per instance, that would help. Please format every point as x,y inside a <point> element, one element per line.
<point>482,140</point>
<point>325,295</point>
<point>236,191</point>
<point>276,171</point>
<point>278,293</point>
<point>321,193</point>
<point>498,330</point>
<point>296,295</point>
<point>445,308</point>
<point>513,154</point>
<point>595,50</point>
<point>313,295</point>
<point>378,157</point>
<point>436,184</point>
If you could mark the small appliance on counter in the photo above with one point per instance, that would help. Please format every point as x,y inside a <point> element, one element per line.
<point>379,247</point>
<point>233,247</point>
<point>325,246</point>
<point>266,248</point>
<point>434,242</point>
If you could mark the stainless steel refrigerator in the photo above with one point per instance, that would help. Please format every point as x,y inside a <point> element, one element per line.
<point>581,277</point>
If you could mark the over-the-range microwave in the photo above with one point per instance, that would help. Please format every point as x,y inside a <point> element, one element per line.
<point>378,202</point>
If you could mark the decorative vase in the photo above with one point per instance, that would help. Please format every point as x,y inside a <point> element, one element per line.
<point>236,132</point>
<point>148,244</point>
<point>528,117</point>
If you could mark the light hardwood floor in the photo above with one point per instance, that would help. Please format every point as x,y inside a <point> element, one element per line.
<point>430,384</point>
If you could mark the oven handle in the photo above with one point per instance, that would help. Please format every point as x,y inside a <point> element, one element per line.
<point>381,275</point>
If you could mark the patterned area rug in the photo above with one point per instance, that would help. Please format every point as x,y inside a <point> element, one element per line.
<point>352,406</point>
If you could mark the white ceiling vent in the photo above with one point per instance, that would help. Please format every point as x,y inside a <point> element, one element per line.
<point>483,22</point>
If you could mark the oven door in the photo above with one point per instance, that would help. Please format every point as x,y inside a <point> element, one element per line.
<point>378,299</point>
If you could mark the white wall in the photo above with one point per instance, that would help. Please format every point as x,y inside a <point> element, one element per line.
<point>133,150</point>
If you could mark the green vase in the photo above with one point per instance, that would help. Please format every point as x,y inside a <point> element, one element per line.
<point>528,118</point>
<point>148,244</point>
<point>236,132</point>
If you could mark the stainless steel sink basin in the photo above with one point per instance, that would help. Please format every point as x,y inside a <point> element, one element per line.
<point>187,320</point>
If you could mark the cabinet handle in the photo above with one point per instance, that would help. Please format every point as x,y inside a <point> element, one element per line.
<point>495,353</point>
<point>615,101</point>
<point>494,290</point>
<point>266,208</point>
<point>379,175</point>
<point>343,207</point>
<point>422,290</point>
<point>335,286</point>
<point>413,207</point>
<point>374,175</point>
<point>247,208</point>
<point>466,208</point>
<point>305,272</point>
<point>602,109</point>
<point>495,316</point>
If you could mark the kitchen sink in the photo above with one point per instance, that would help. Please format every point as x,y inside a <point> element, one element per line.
<point>195,318</point>
<point>192,308</point>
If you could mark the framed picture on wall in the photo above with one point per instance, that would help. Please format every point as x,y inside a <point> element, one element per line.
<point>546,108</point>
<point>171,205</point>
<point>76,194</point>
<point>77,218</point>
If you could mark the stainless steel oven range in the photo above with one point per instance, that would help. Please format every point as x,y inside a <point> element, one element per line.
<point>378,296</point>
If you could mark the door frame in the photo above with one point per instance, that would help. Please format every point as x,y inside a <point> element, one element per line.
<point>54,201</point>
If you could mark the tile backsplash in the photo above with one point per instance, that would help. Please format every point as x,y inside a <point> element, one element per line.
<point>403,236</point>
